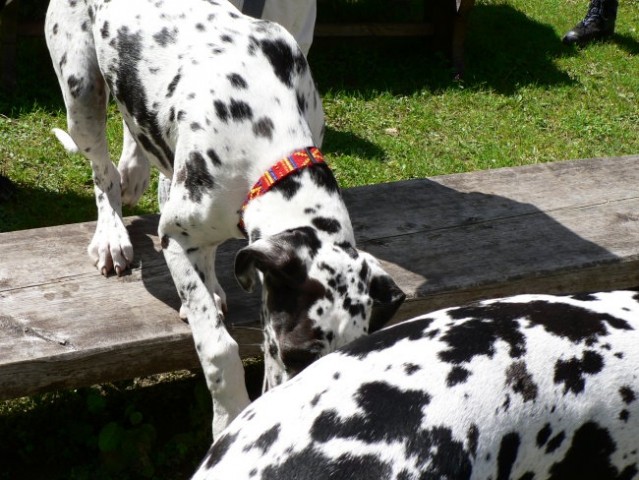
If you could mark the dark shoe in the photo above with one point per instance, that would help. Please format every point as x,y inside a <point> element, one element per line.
<point>598,24</point>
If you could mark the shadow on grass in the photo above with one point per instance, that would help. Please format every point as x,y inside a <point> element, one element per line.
<point>37,87</point>
<point>347,143</point>
<point>627,43</point>
<point>505,50</point>
<point>33,208</point>
<point>30,207</point>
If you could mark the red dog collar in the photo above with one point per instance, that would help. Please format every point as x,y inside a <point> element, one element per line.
<point>297,160</point>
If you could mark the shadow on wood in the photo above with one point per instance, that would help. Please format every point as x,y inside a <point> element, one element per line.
<point>559,227</point>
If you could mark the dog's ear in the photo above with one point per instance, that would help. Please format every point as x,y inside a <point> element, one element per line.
<point>277,259</point>
<point>279,256</point>
<point>263,255</point>
<point>387,298</point>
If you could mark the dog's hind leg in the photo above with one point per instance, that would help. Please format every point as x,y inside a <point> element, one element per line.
<point>134,169</point>
<point>85,96</point>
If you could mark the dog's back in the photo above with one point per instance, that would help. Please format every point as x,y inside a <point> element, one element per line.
<point>528,387</point>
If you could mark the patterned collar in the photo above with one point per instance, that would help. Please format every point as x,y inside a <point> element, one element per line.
<point>297,160</point>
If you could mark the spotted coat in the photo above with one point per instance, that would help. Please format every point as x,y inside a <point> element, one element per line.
<point>527,387</point>
<point>213,99</point>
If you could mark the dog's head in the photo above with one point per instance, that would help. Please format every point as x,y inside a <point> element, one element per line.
<point>316,297</point>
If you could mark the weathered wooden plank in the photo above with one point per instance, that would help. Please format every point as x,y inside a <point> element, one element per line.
<point>561,227</point>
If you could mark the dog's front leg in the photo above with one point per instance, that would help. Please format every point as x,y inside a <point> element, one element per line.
<point>191,268</point>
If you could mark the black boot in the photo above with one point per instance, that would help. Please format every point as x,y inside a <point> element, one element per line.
<point>598,23</point>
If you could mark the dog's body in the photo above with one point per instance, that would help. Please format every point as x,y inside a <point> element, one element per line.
<point>528,387</point>
<point>213,99</point>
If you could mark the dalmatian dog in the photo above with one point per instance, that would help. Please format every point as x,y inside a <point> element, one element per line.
<point>225,106</point>
<point>297,16</point>
<point>526,387</point>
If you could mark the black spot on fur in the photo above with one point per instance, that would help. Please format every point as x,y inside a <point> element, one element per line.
<point>456,376</point>
<point>288,186</point>
<point>568,321</point>
<point>508,451</point>
<point>388,414</point>
<point>237,80</point>
<point>284,61</point>
<point>411,368</point>
<point>589,457</point>
<point>221,110</point>
<point>627,394</point>
<point>264,128</point>
<point>473,439</point>
<point>477,336</point>
<point>195,176</point>
<point>329,225</point>
<point>75,85</point>
<point>214,157</point>
<point>322,176</point>
<point>130,90</point>
<point>240,110</point>
<point>555,442</point>
<point>571,373</point>
<point>543,435</point>
<point>312,464</point>
<point>266,439</point>
<point>387,338</point>
<point>165,37</point>
<point>171,88</point>
<point>104,31</point>
<point>518,378</point>
<point>219,449</point>
<point>195,126</point>
<point>226,38</point>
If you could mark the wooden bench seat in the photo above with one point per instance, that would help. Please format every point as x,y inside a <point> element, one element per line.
<point>558,227</point>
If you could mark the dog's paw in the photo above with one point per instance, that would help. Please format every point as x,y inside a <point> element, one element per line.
<point>134,179</point>
<point>111,248</point>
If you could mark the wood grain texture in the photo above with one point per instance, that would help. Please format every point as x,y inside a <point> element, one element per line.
<point>559,227</point>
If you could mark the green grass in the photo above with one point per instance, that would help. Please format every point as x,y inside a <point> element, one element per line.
<point>393,112</point>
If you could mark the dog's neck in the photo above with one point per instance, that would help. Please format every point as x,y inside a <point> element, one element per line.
<point>309,198</point>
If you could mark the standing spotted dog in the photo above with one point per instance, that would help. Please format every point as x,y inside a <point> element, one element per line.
<point>528,387</point>
<point>225,105</point>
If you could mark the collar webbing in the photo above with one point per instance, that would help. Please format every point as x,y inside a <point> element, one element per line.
<point>297,160</point>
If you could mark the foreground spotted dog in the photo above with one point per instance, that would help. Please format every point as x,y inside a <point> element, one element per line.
<point>528,387</point>
<point>225,105</point>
